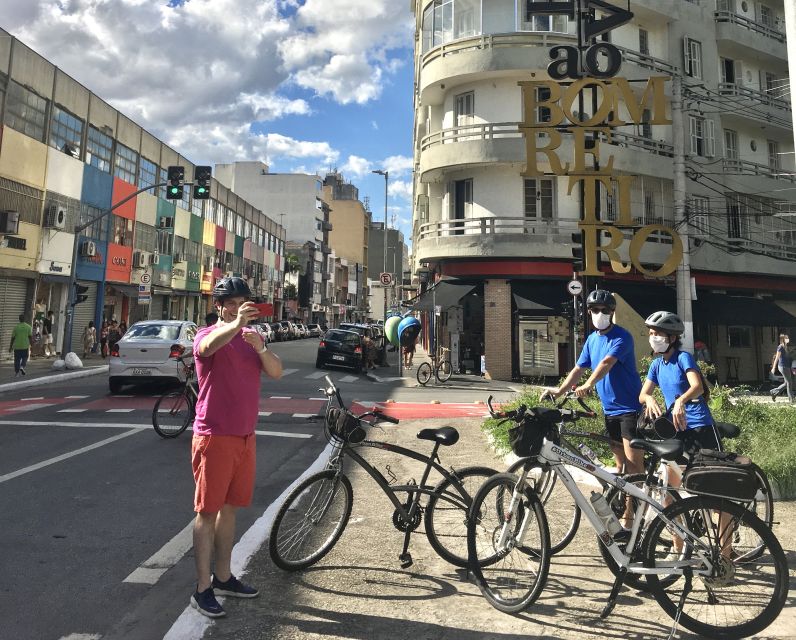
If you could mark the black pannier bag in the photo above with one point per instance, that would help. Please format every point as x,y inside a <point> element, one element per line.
<point>526,438</point>
<point>722,474</point>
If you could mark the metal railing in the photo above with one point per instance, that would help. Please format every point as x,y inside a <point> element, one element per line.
<point>757,27</point>
<point>745,167</point>
<point>732,89</point>
<point>541,229</point>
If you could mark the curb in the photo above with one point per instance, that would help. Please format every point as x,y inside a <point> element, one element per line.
<point>58,377</point>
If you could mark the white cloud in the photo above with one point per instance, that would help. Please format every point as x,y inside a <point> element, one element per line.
<point>398,165</point>
<point>401,189</point>
<point>356,167</point>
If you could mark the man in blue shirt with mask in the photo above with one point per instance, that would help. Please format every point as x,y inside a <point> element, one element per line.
<point>610,353</point>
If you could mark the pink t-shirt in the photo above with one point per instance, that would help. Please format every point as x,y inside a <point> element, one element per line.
<point>229,388</point>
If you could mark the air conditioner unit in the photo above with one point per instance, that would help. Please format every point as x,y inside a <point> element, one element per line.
<point>166,223</point>
<point>55,217</point>
<point>9,222</point>
<point>88,248</point>
<point>154,258</point>
<point>140,259</point>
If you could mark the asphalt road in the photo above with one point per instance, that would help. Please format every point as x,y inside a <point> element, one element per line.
<point>98,509</point>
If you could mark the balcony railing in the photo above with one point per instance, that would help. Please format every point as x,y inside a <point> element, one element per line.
<point>647,61</point>
<point>500,130</point>
<point>543,230</point>
<point>757,27</point>
<point>745,167</point>
<point>732,89</point>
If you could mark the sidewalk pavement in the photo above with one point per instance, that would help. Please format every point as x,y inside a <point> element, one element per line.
<point>359,591</point>
<point>39,371</point>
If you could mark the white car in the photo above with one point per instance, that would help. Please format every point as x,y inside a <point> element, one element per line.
<point>148,352</point>
<point>267,331</point>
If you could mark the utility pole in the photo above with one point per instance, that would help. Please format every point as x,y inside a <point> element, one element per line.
<point>683,275</point>
<point>386,175</point>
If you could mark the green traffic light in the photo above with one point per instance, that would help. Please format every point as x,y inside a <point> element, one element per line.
<point>175,189</point>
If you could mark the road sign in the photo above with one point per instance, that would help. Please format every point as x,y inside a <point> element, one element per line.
<point>575,287</point>
<point>146,278</point>
<point>385,279</point>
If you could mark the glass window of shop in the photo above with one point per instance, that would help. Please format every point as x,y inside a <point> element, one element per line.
<point>99,149</point>
<point>126,164</point>
<point>26,111</point>
<point>99,229</point>
<point>146,237</point>
<point>147,173</point>
<point>66,132</point>
<point>121,231</point>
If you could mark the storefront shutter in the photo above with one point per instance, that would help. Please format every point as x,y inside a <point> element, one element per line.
<point>13,292</point>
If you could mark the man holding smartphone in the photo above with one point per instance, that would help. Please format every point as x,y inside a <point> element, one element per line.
<point>230,357</point>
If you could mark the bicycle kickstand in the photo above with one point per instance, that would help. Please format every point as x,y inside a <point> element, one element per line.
<point>688,573</point>
<point>406,557</point>
<point>609,606</point>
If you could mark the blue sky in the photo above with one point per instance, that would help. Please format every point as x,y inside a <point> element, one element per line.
<point>303,85</point>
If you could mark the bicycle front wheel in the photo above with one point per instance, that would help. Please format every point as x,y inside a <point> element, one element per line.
<point>444,371</point>
<point>740,597</point>
<point>560,508</point>
<point>172,415</point>
<point>424,373</point>
<point>447,512</point>
<point>508,544</point>
<point>311,520</point>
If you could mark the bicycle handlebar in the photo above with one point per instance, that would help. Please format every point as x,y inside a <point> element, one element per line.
<point>332,390</point>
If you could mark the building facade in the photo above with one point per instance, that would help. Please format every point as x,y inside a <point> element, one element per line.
<point>66,157</point>
<point>482,218</point>
<point>387,254</point>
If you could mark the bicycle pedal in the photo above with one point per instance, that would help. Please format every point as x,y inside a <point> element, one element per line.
<point>406,560</point>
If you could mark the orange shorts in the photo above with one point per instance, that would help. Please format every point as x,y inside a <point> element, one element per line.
<point>223,469</point>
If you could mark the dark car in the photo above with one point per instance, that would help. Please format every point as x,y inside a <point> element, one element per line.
<point>341,348</point>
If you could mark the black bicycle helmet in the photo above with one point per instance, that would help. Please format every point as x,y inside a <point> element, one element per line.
<point>666,321</point>
<point>601,297</point>
<point>231,288</point>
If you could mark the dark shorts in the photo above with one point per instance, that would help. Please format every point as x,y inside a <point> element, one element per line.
<point>622,426</point>
<point>699,438</point>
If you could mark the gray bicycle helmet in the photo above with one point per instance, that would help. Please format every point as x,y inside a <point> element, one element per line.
<point>601,297</point>
<point>666,321</point>
<point>233,287</point>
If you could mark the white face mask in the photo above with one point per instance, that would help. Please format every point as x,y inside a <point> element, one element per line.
<point>659,344</point>
<point>601,321</point>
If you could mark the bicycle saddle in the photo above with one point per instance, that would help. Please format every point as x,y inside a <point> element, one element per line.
<point>446,436</point>
<point>666,450</point>
<point>728,430</point>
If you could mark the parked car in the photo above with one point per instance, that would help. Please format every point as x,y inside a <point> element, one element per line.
<point>341,348</point>
<point>268,332</point>
<point>314,330</point>
<point>280,332</point>
<point>289,332</point>
<point>301,330</point>
<point>148,352</point>
<point>361,329</point>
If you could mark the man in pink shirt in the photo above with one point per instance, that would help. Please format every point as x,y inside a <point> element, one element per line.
<point>230,356</point>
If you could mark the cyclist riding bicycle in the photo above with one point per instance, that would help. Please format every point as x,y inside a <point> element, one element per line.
<point>610,353</point>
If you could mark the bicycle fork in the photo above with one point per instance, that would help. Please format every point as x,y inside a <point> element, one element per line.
<point>506,540</point>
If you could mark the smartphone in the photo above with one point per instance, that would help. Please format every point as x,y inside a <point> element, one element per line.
<point>265,308</point>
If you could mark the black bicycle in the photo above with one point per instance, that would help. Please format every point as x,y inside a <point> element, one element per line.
<point>315,513</point>
<point>175,411</point>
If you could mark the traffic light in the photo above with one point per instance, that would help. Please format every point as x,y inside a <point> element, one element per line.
<point>578,264</point>
<point>176,178</point>
<point>201,182</point>
<point>80,293</point>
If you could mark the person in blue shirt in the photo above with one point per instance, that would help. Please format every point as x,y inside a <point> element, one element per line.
<point>610,353</point>
<point>681,382</point>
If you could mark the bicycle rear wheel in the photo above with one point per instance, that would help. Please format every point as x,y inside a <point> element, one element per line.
<point>447,512</point>
<point>561,510</point>
<point>172,414</point>
<point>763,507</point>
<point>311,520</point>
<point>424,373</point>
<point>508,548</point>
<point>444,371</point>
<point>740,597</point>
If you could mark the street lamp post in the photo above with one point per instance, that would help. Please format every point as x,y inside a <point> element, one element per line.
<point>386,175</point>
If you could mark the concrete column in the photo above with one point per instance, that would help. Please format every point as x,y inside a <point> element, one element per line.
<point>497,328</point>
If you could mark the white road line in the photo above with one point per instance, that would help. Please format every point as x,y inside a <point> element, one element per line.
<point>321,399</point>
<point>315,375</point>
<point>66,456</point>
<point>165,558</point>
<point>101,425</point>
<point>287,372</point>
<point>117,395</point>
<point>36,398</point>
<point>82,636</point>
<point>118,411</point>
<point>71,410</point>
<point>283,434</point>
<point>279,398</point>
<point>303,415</point>
<point>31,407</point>
<point>348,379</point>
<point>75,397</point>
<point>264,414</point>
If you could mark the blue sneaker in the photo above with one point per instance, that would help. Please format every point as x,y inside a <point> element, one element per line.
<point>205,603</point>
<point>234,588</point>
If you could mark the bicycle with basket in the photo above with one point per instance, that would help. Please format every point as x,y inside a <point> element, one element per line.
<point>314,515</point>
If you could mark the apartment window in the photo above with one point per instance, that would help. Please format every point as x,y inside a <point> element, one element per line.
<point>145,237</point>
<point>461,202</point>
<point>643,42</point>
<point>703,139</point>
<point>543,113</point>
<point>147,173</point>
<point>121,231</point>
<point>163,177</point>
<point>165,242</point>
<point>99,229</point>
<point>126,164</point>
<point>66,132</point>
<point>99,149</point>
<point>198,207</point>
<point>238,225</point>
<point>737,216</point>
<point>465,109</point>
<point>729,73</point>
<point>698,207</point>
<point>540,21</point>
<point>185,203</point>
<point>26,112</point>
<point>769,83</point>
<point>692,50</point>
<point>610,203</point>
<point>766,16</point>
<point>443,21</point>
<point>539,199</point>
<point>773,155</point>
<point>730,144</point>
<point>646,127</point>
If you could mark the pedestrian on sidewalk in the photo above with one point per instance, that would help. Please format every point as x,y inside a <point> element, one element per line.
<point>409,354</point>
<point>783,362</point>
<point>21,342</point>
<point>47,334</point>
<point>230,358</point>
<point>114,335</point>
<point>104,328</point>
<point>89,339</point>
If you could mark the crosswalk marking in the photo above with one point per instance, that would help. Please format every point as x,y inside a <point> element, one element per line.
<point>315,375</point>
<point>264,414</point>
<point>36,398</point>
<point>279,397</point>
<point>71,410</point>
<point>349,379</point>
<point>118,411</point>
<point>303,415</point>
<point>76,397</point>
<point>287,372</point>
